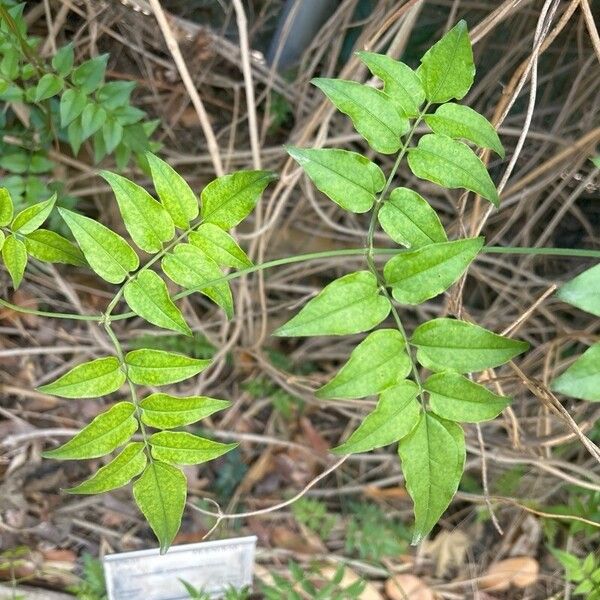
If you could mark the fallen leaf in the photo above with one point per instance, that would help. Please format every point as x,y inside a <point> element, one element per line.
<point>401,587</point>
<point>519,571</point>
<point>448,550</point>
<point>393,493</point>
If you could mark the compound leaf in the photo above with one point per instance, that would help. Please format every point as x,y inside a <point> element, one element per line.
<point>107,431</point>
<point>165,412</point>
<point>220,246</point>
<point>148,223</point>
<point>191,268</point>
<point>433,458</point>
<point>347,178</point>
<point>14,255</point>
<point>400,82</point>
<point>458,121</point>
<point>447,69</point>
<point>30,218</point>
<point>583,291</point>
<point>52,247</point>
<point>409,220</point>
<point>184,448</point>
<point>148,297</point>
<point>378,362</point>
<point>456,398</point>
<point>92,379</point>
<point>160,494</point>
<point>6,207</point>
<point>157,367</point>
<point>396,414</point>
<point>107,253</point>
<point>463,347</point>
<point>229,199</point>
<point>451,164</point>
<point>417,275</point>
<point>174,192</point>
<point>373,113</point>
<point>582,379</point>
<point>350,304</point>
<point>129,463</point>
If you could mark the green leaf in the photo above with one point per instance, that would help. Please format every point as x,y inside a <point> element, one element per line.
<point>92,119</point>
<point>75,136</point>
<point>220,246</point>
<point>433,458</point>
<point>49,85</point>
<point>396,415</point>
<point>160,494</point>
<point>350,304</point>
<point>118,472</point>
<point>451,164</point>
<point>401,83</point>
<point>417,275</point>
<point>447,70</point>
<point>52,247</point>
<point>409,220</point>
<point>62,61</point>
<point>174,192</point>
<point>2,238</point>
<point>157,367</point>
<point>6,207</point>
<point>112,134</point>
<point>378,362</point>
<point>148,223</point>
<point>190,268</point>
<point>107,431</point>
<point>115,94</point>
<point>30,218</point>
<point>458,121</point>
<point>89,75</point>
<point>165,412</point>
<point>148,297</point>
<point>91,379</point>
<point>107,253</point>
<point>456,398</point>
<point>373,113</point>
<point>347,178</point>
<point>583,291</point>
<point>229,199</point>
<point>14,256</point>
<point>463,347</point>
<point>183,448</point>
<point>582,379</point>
<point>72,103</point>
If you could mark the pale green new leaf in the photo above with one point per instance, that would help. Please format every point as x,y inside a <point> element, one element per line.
<point>174,192</point>
<point>165,412</point>
<point>52,247</point>
<point>2,238</point>
<point>148,297</point>
<point>220,246</point>
<point>451,164</point>
<point>378,362</point>
<point>107,431</point>
<point>401,83</point>
<point>458,121</point>
<point>14,255</point>
<point>447,69</point>
<point>229,199</point>
<point>30,218</point>
<point>129,463</point>
<point>107,253</point>
<point>183,448</point>
<point>433,459</point>
<point>373,113</point>
<point>456,398</point>
<point>160,494</point>
<point>347,178</point>
<point>409,220</point>
<point>350,304</point>
<point>420,274</point>
<point>146,220</point>
<point>583,291</point>
<point>91,379</point>
<point>191,268</point>
<point>582,378</point>
<point>6,207</point>
<point>396,414</point>
<point>157,367</point>
<point>463,347</point>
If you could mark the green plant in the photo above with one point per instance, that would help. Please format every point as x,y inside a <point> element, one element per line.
<point>11,560</point>
<point>583,571</point>
<point>229,594</point>
<point>313,515</point>
<point>92,585</point>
